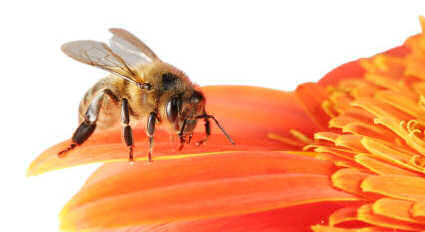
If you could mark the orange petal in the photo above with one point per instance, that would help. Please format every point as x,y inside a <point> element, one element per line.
<point>196,201</point>
<point>108,147</point>
<point>205,187</point>
<point>389,152</point>
<point>350,180</point>
<point>343,215</point>
<point>401,187</point>
<point>354,70</point>
<point>198,169</point>
<point>353,142</point>
<point>404,102</point>
<point>341,153</point>
<point>255,112</point>
<point>337,160</point>
<point>381,109</point>
<point>350,70</point>
<point>359,114</point>
<point>327,136</point>
<point>365,213</point>
<point>395,209</point>
<point>312,95</point>
<point>400,51</point>
<point>380,167</point>
<point>320,228</point>
<point>354,126</point>
<point>292,219</point>
<point>418,210</point>
<point>276,112</point>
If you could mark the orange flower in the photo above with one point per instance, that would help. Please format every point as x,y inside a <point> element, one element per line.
<point>344,154</point>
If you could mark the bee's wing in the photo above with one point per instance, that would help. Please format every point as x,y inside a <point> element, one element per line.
<point>98,54</point>
<point>130,48</point>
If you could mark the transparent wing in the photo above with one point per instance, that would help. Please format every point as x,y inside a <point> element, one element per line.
<point>130,48</point>
<point>98,54</point>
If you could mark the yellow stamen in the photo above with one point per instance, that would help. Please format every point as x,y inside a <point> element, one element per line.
<point>286,140</point>
<point>300,136</point>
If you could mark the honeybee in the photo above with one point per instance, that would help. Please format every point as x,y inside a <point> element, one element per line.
<point>140,86</point>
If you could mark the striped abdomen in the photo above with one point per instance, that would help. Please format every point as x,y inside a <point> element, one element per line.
<point>109,114</point>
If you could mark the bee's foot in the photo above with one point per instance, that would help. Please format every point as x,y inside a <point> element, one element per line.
<point>130,155</point>
<point>150,157</point>
<point>62,153</point>
<point>131,160</point>
<point>182,142</point>
<point>199,143</point>
<point>189,139</point>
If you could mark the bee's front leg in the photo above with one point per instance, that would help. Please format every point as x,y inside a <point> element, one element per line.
<point>86,128</point>
<point>126,128</point>
<point>181,135</point>
<point>150,130</point>
<point>207,132</point>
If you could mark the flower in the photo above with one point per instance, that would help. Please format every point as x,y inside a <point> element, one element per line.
<point>215,184</point>
<point>344,154</point>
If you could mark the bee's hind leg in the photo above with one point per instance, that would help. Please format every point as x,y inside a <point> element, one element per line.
<point>126,128</point>
<point>86,128</point>
<point>80,135</point>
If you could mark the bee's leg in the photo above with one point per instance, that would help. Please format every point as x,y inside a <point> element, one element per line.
<point>126,128</point>
<point>182,142</point>
<point>207,132</point>
<point>150,130</point>
<point>87,127</point>
<point>181,135</point>
<point>189,139</point>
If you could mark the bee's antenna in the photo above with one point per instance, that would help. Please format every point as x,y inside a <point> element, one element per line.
<point>219,126</point>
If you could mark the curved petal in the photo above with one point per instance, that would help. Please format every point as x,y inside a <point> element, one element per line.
<point>365,213</point>
<point>292,219</point>
<point>205,187</point>
<point>350,70</point>
<point>196,169</point>
<point>312,96</point>
<point>255,111</point>
<point>395,209</point>
<point>402,187</point>
<point>276,113</point>
<point>354,70</point>
<point>320,228</point>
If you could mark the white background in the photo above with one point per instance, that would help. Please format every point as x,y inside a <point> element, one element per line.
<point>277,45</point>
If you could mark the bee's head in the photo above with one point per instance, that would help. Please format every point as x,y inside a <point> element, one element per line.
<point>183,111</point>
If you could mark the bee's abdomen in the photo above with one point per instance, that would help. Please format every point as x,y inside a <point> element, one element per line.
<point>109,113</point>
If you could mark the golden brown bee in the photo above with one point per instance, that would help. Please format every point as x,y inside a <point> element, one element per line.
<point>141,87</point>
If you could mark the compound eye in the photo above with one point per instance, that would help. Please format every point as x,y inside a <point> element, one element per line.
<point>196,98</point>
<point>173,108</point>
